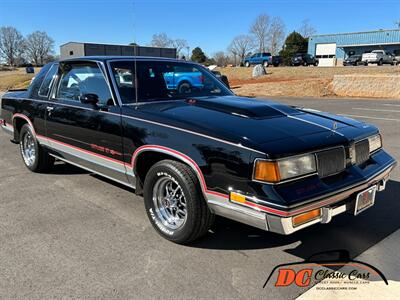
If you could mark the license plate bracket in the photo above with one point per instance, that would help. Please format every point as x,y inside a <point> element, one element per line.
<point>365,200</point>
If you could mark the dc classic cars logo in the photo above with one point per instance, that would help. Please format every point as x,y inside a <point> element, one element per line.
<point>340,272</point>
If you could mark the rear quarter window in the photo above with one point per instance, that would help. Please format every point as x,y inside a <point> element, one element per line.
<point>45,87</point>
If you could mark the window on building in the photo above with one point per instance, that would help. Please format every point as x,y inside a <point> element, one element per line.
<point>71,52</point>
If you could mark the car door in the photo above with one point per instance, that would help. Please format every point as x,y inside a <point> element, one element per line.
<point>258,58</point>
<point>86,134</point>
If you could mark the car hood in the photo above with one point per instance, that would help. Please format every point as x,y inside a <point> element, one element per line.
<point>256,123</point>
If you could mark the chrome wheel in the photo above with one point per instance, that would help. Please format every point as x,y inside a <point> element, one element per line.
<point>169,202</point>
<point>28,149</point>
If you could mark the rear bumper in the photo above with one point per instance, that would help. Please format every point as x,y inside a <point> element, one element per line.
<point>278,221</point>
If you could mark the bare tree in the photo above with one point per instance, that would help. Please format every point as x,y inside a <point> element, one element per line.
<point>221,59</point>
<point>161,40</point>
<point>276,35</point>
<point>233,56</point>
<point>260,29</point>
<point>241,45</point>
<point>397,23</point>
<point>306,29</point>
<point>179,45</point>
<point>11,44</point>
<point>164,41</point>
<point>39,46</point>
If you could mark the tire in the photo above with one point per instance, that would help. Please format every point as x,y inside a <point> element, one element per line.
<point>305,64</point>
<point>194,217</point>
<point>184,87</point>
<point>380,62</point>
<point>247,64</point>
<point>366,64</point>
<point>33,155</point>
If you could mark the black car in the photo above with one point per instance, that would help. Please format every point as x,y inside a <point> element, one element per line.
<point>221,77</point>
<point>196,153</point>
<point>276,60</point>
<point>304,59</point>
<point>353,60</point>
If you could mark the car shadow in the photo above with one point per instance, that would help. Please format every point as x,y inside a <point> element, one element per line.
<point>61,168</point>
<point>355,234</point>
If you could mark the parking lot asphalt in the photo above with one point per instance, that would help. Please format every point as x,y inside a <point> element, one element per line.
<point>72,234</point>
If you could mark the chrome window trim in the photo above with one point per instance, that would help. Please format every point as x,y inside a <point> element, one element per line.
<point>99,64</point>
<point>51,81</point>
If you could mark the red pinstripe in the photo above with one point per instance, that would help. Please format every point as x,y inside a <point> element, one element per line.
<point>149,147</point>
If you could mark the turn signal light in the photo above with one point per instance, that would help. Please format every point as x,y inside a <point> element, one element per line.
<point>306,217</point>
<point>267,171</point>
<point>237,198</point>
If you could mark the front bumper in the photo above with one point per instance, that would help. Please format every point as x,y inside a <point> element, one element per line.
<point>281,221</point>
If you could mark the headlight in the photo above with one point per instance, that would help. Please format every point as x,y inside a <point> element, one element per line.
<point>375,142</point>
<point>275,171</point>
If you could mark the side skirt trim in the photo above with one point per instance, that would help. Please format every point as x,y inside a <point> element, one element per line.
<point>92,171</point>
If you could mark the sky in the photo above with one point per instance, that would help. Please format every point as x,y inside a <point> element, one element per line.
<point>208,24</point>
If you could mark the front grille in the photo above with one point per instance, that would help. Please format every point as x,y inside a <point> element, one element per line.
<point>331,161</point>
<point>362,151</point>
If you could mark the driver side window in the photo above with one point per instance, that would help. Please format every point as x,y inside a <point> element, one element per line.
<point>78,79</point>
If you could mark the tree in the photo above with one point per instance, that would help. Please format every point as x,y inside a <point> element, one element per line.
<point>397,23</point>
<point>306,29</point>
<point>220,58</point>
<point>260,29</point>
<point>161,40</point>
<point>240,46</point>
<point>198,55</point>
<point>294,43</point>
<point>179,45</point>
<point>164,41</point>
<point>11,44</point>
<point>39,46</point>
<point>276,35</point>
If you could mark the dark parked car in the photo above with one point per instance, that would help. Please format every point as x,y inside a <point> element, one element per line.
<point>29,69</point>
<point>196,153</point>
<point>264,59</point>
<point>276,60</point>
<point>353,60</point>
<point>221,77</point>
<point>304,59</point>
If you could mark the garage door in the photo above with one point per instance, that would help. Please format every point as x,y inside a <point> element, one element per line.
<point>326,54</point>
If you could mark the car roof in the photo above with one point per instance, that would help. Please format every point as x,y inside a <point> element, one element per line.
<point>107,58</point>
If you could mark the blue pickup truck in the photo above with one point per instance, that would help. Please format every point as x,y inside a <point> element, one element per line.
<point>258,58</point>
<point>183,79</point>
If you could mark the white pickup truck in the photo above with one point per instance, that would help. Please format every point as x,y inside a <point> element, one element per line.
<point>379,57</point>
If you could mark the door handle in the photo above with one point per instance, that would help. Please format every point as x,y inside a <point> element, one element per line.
<point>49,109</point>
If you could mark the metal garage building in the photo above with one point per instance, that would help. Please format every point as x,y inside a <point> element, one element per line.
<point>75,49</point>
<point>331,49</point>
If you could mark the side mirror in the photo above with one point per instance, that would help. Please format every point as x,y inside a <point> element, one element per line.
<point>89,99</point>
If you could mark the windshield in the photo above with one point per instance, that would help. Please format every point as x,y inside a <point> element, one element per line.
<point>164,80</point>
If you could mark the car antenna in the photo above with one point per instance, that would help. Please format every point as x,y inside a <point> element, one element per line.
<point>135,54</point>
